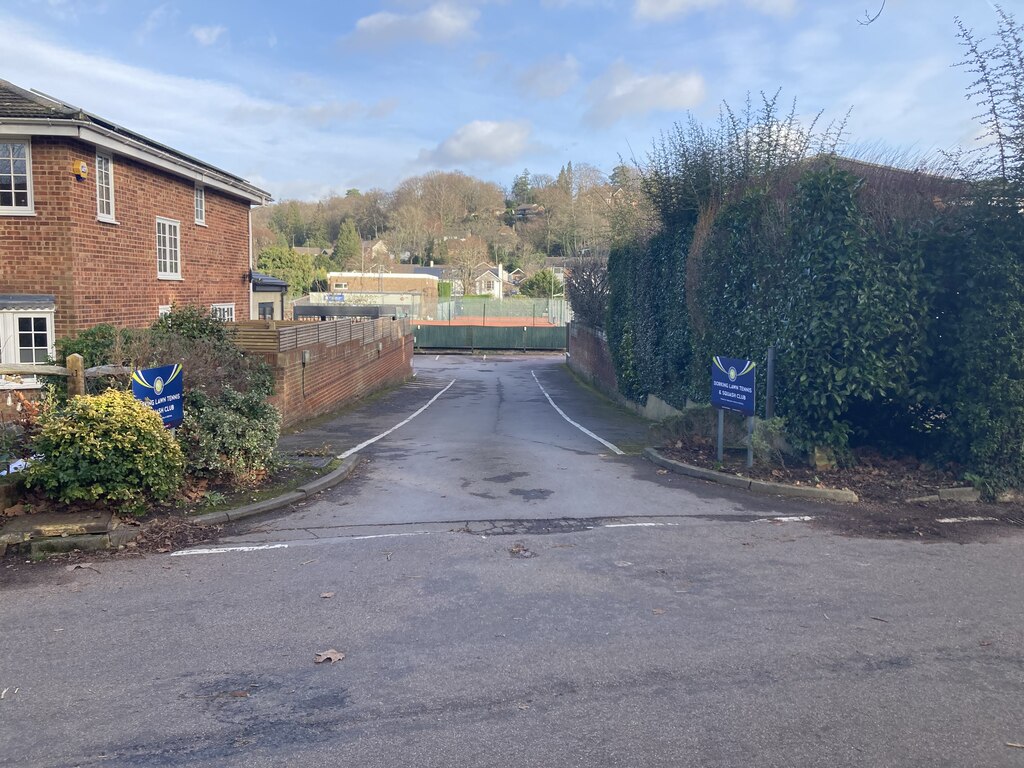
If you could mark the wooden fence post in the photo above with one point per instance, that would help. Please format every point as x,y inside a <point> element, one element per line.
<point>76,375</point>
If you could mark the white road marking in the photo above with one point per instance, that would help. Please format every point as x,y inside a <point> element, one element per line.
<point>221,550</point>
<point>438,357</point>
<point>296,543</point>
<point>965,520</point>
<point>400,424</point>
<point>580,427</point>
<point>795,519</point>
<point>637,525</point>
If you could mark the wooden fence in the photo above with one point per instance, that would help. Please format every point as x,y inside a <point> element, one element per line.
<point>75,371</point>
<point>284,335</point>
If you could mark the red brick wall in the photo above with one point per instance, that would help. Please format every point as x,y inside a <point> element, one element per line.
<point>337,375</point>
<point>35,251</point>
<point>590,357</point>
<point>106,273</point>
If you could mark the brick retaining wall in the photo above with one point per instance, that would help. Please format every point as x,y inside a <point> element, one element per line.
<point>591,359</point>
<point>348,359</point>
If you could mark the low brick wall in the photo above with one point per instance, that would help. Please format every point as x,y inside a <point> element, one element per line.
<point>591,359</point>
<point>346,359</point>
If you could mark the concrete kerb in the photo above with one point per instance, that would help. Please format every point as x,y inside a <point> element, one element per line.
<point>122,534</point>
<point>754,486</point>
<point>301,493</point>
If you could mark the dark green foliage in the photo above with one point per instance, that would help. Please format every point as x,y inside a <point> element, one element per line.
<point>230,432</point>
<point>96,345</point>
<point>290,265</point>
<point>231,437</point>
<point>192,323</point>
<point>850,325</point>
<point>108,448</point>
<point>586,288</point>
<point>347,249</point>
<point>978,369</point>
<point>541,285</point>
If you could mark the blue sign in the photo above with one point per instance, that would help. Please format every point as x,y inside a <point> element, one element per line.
<point>732,384</point>
<point>161,389</point>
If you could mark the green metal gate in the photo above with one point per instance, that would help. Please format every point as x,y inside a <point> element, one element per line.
<point>472,337</point>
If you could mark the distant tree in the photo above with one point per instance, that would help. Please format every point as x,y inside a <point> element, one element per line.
<point>541,285</point>
<point>522,193</point>
<point>348,247</point>
<point>586,287</point>
<point>290,265</point>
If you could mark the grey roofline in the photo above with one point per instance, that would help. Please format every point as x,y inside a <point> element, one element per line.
<point>73,115</point>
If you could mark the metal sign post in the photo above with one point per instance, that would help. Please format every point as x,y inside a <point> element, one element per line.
<point>732,389</point>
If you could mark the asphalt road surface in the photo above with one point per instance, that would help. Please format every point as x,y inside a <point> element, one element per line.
<point>510,590</point>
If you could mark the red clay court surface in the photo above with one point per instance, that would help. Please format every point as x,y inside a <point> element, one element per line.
<point>496,322</point>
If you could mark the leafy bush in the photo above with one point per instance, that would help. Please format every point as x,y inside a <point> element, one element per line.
<point>230,437</point>
<point>109,448</point>
<point>191,322</point>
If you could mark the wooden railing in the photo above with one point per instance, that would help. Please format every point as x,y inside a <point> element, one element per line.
<point>75,371</point>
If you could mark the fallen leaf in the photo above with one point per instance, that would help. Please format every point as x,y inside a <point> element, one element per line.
<point>330,655</point>
<point>81,566</point>
<point>658,611</point>
<point>239,694</point>
<point>326,595</point>
<point>17,509</point>
<point>662,471</point>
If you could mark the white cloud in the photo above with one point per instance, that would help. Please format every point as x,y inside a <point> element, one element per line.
<point>440,23</point>
<point>660,10</point>
<point>550,78</point>
<point>207,35</point>
<point>620,93</point>
<point>287,147</point>
<point>481,143</point>
<point>157,18</point>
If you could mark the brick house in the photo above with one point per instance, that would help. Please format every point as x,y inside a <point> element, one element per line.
<point>99,224</point>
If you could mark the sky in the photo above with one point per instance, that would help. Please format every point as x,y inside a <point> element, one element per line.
<point>307,99</point>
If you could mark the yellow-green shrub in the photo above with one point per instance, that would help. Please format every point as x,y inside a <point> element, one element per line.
<point>107,447</point>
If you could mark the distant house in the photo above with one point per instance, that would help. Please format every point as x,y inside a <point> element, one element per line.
<point>99,224</point>
<point>526,212</point>
<point>377,252</point>
<point>268,296</point>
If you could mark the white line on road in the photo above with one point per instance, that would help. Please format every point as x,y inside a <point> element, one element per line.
<point>965,520</point>
<point>400,424</point>
<point>220,550</point>
<point>296,543</point>
<point>580,427</point>
<point>795,519</point>
<point>637,525</point>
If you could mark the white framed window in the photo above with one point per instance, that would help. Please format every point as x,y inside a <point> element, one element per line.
<point>25,337</point>
<point>16,177</point>
<point>200,205</point>
<point>104,188</point>
<point>168,249</point>
<point>163,309</point>
<point>223,312</point>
